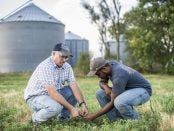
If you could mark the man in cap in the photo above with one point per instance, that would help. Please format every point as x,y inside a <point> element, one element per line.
<point>47,93</point>
<point>129,89</point>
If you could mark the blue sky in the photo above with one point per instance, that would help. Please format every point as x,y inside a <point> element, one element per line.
<point>69,12</point>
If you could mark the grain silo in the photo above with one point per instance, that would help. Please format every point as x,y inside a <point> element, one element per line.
<point>113,48</point>
<point>27,37</point>
<point>77,45</point>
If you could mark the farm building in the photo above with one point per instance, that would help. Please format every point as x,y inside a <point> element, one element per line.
<point>27,37</point>
<point>77,45</point>
<point>113,48</point>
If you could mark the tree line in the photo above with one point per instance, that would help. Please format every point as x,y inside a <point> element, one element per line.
<point>148,29</point>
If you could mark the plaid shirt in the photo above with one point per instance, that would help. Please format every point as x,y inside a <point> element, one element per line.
<point>47,72</point>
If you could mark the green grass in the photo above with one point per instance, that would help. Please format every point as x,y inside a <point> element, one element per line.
<point>16,116</point>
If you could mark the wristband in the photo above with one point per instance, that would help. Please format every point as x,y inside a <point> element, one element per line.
<point>80,104</point>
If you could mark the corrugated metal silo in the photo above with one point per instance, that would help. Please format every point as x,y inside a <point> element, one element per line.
<point>27,37</point>
<point>77,45</point>
<point>113,48</point>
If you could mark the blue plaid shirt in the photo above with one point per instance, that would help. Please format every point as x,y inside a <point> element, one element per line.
<point>47,72</point>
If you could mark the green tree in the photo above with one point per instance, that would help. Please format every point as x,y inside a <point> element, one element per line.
<point>82,66</point>
<point>150,31</point>
<point>107,18</point>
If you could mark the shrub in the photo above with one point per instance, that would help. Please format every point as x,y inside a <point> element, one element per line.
<point>82,66</point>
<point>111,57</point>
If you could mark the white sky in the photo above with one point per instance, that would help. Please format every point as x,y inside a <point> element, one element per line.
<point>69,12</point>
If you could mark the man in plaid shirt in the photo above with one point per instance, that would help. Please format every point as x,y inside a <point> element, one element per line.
<point>47,93</point>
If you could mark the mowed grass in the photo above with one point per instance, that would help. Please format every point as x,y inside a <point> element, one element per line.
<point>155,115</point>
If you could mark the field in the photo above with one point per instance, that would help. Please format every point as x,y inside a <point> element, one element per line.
<point>155,115</point>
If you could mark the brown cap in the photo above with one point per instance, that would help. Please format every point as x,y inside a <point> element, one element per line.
<point>96,64</point>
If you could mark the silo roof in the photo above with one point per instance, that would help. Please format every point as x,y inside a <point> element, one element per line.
<point>71,36</point>
<point>30,12</point>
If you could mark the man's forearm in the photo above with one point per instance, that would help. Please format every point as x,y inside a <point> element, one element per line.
<point>58,97</point>
<point>77,92</point>
<point>104,110</point>
<point>107,107</point>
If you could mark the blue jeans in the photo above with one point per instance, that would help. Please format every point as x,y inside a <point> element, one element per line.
<point>44,107</point>
<point>124,103</point>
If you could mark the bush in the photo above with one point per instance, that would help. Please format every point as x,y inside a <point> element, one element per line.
<point>111,57</point>
<point>82,66</point>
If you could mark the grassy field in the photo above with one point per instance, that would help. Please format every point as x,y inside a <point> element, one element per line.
<point>156,115</point>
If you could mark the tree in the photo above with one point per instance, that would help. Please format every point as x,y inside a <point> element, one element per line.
<point>107,19</point>
<point>82,65</point>
<point>150,30</point>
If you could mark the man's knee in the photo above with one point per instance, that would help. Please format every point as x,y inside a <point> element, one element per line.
<point>55,109</point>
<point>100,93</point>
<point>120,105</point>
<point>66,92</point>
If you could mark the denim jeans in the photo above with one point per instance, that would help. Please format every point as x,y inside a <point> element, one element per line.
<point>124,103</point>
<point>44,107</point>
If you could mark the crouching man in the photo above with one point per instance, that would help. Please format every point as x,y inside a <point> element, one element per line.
<point>129,89</point>
<point>46,93</point>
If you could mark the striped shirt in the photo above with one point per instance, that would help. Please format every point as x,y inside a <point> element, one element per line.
<point>49,73</point>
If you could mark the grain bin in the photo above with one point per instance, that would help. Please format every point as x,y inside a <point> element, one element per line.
<point>27,37</point>
<point>77,45</point>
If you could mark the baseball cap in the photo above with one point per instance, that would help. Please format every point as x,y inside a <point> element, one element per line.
<point>96,64</point>
<point>62,48</point>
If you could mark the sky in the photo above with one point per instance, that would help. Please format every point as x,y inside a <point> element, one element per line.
<point>70,13</point>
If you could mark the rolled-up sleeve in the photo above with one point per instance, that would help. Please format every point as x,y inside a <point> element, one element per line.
<point>70,75</point>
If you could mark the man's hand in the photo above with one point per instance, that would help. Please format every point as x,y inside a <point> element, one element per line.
<point>102,85</point>
<point>79,97</point>
<point>74,112</point>
<point>106,88</point>
<point>83,110</point>
<point>89,117</point>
